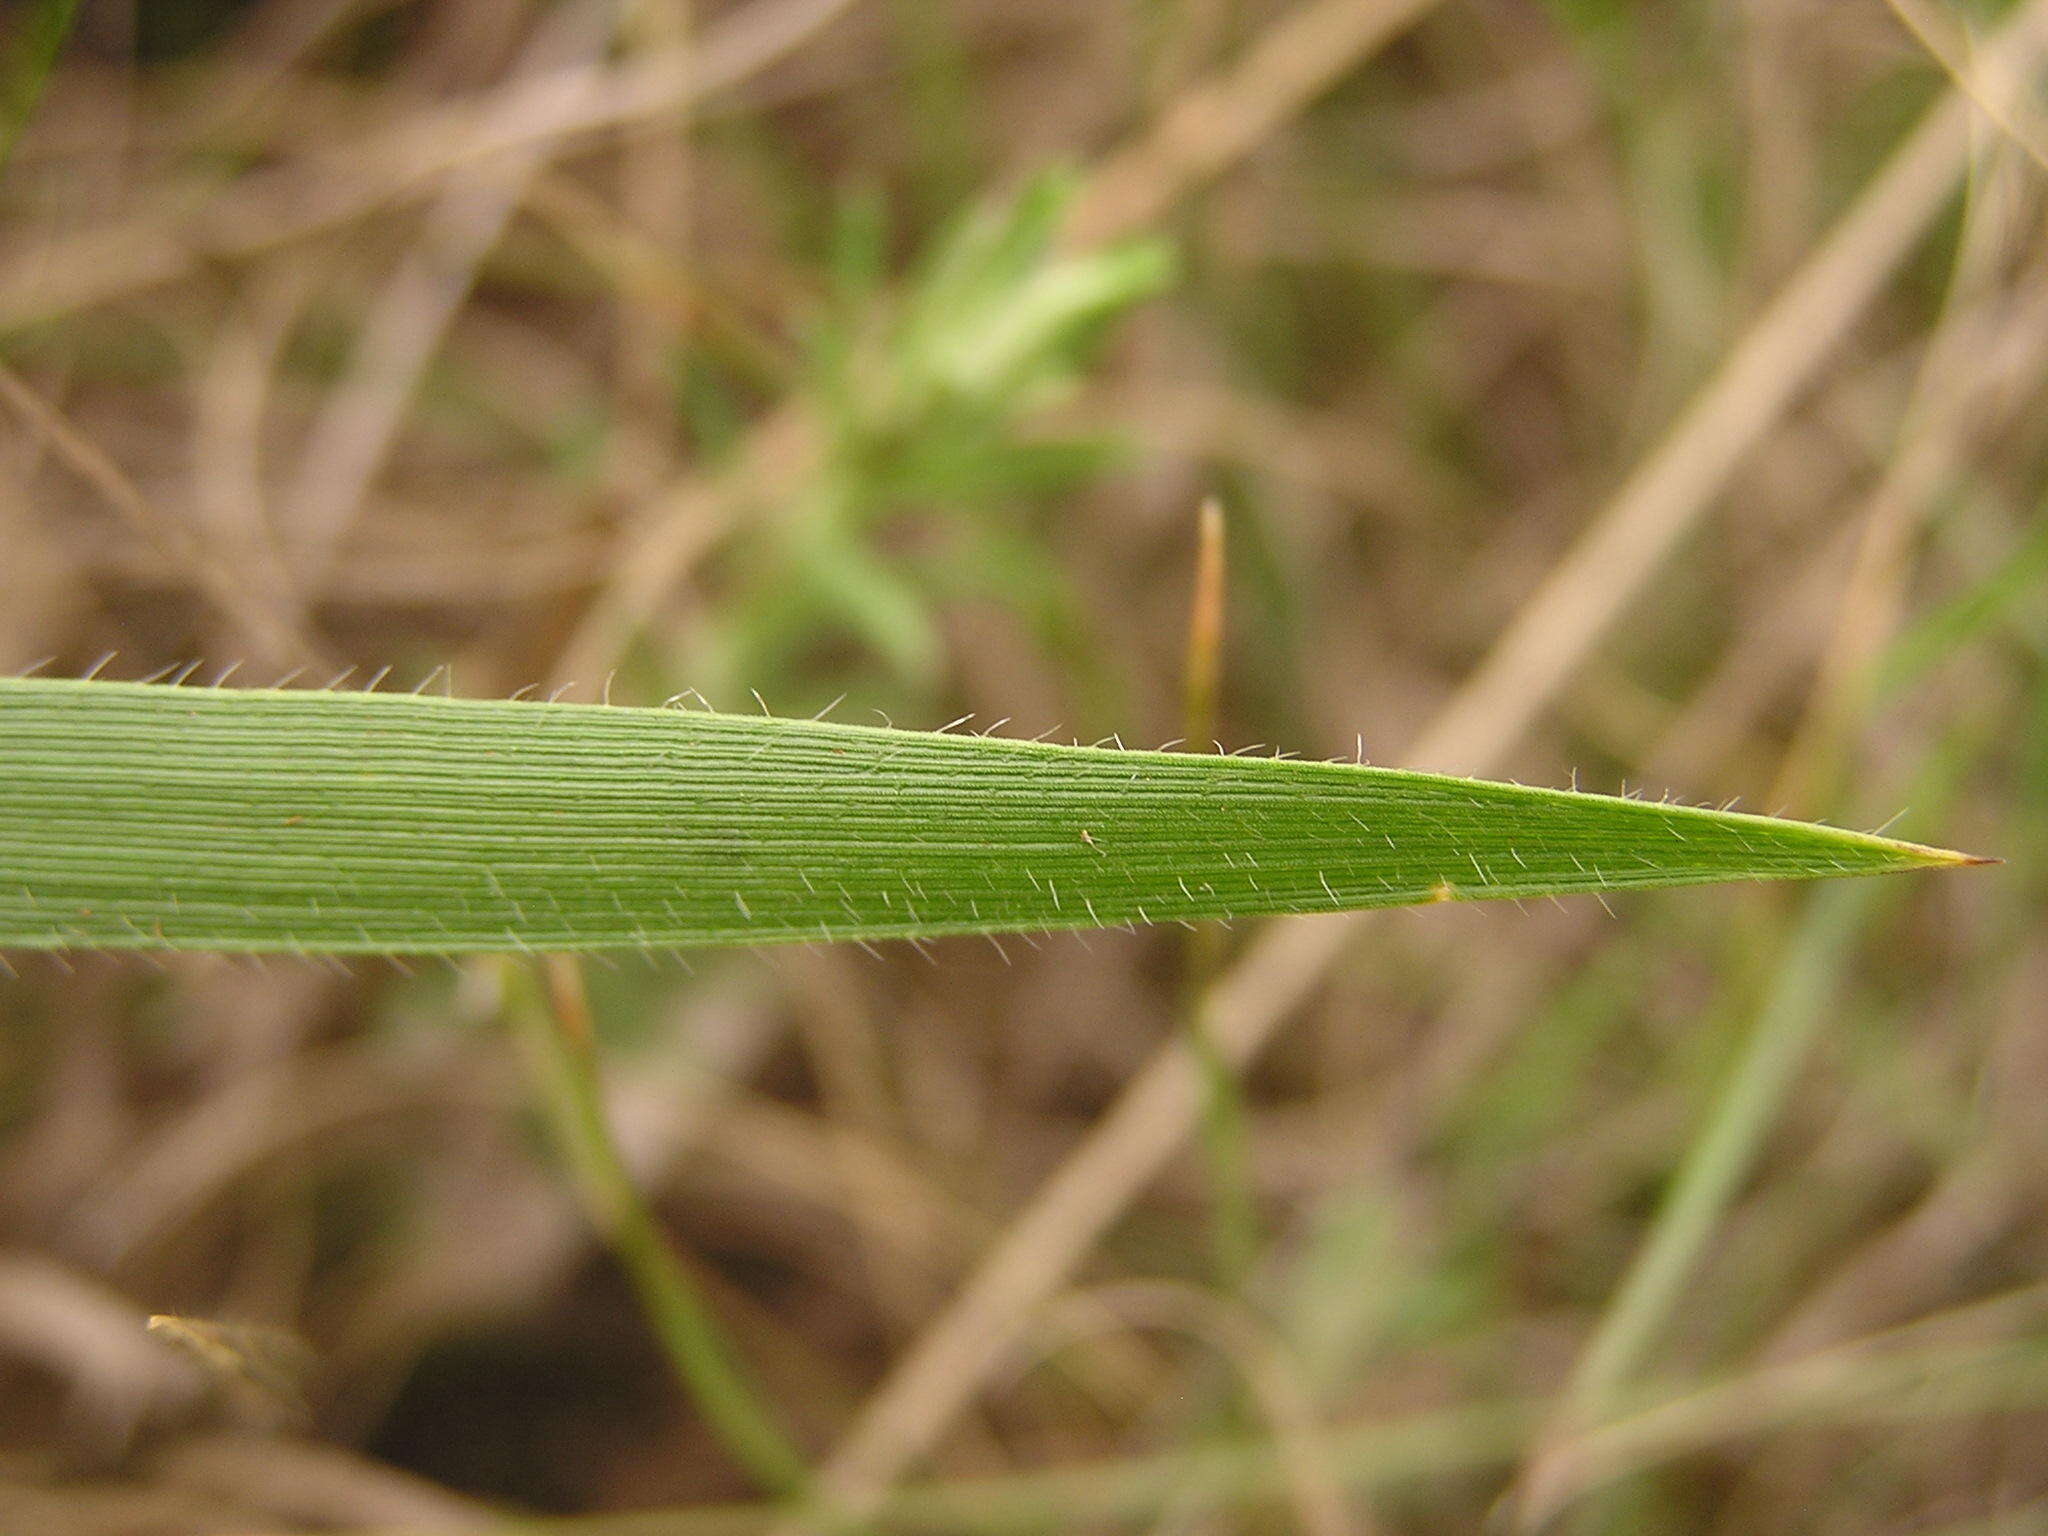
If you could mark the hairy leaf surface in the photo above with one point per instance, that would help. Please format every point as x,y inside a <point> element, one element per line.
<point>145,816</point>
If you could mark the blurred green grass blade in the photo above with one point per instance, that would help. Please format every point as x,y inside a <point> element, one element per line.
<point>1723,1152</point>
<point>2021,578</point>
<point>135,815</point>
<point>29,44</point>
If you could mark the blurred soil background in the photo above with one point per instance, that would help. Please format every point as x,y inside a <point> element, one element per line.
<point>1651,395</point>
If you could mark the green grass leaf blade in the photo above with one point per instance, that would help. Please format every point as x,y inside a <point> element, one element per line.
<point>148,816</point>
<point>29,45</point>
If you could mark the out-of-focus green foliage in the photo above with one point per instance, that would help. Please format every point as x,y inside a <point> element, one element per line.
<point>929,395</point>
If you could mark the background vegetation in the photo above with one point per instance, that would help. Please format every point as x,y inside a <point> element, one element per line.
<point>1646,394</point>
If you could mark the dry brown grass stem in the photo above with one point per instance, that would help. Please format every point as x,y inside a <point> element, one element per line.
<point>1885,1370</point>
<point>1972,400</point>
<point>1202,667</point>
<point>1781,189</point>
<point>1042,1244</point>
<point>548,117</point>
<point>650,280</point>
<point>309,1484</point>
<point>233,391</point>
<point>680,526</point>
<point>1981,80</point>
<point>1275,1381</point>
<point>1999,347</point>
<point>1663,499</point>
<point>1987,1197</point>
<point>1333,452</point>
<point>404,325</point>
<point>1216,121</point>
<point>655,192</point>
<point>271,632</point>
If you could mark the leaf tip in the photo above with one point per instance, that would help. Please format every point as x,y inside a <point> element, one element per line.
<point>1945,858</point>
